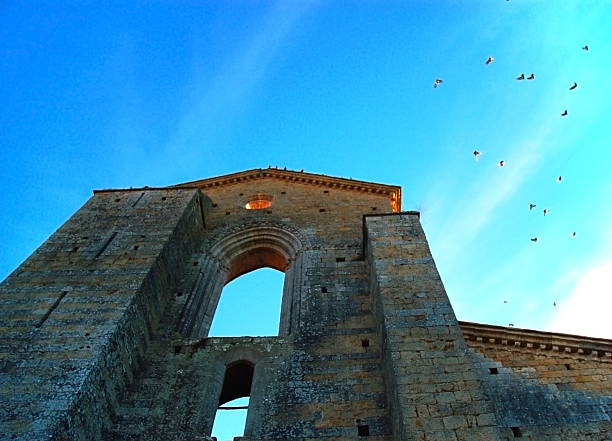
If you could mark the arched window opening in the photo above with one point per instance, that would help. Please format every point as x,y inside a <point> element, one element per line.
<point>230,419</point>
<point>232,256</point>
<point>250,305</point>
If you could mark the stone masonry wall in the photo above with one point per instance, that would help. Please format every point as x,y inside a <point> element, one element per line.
<point>546,386</point>
<point>434,390</point>
<point>77,315</point>
<point>319,382</point>
<point>95,345</point>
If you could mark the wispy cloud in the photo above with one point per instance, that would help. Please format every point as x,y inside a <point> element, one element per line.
<point>216,102</point>
<point>484,196</point>
<point>586,310</point>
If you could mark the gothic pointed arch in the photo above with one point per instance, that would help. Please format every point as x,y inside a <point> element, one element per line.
<point>235,250</point>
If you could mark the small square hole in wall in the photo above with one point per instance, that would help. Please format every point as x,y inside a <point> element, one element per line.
<point>365,343</point>
<point>321,210</point>
<point>117,200</point>
<point>75,249</point>
<point>241,194</point>
<point>340,259</point>
<point>326,191</point>
<point>283,192</point>
<point>195,263</point>
<point>323,289</point>
<point>493,371</point>
<point>363,430</point>
<point>568,367</point>
<point>214,205</point>
<point>516,432</point>
<point>178,349</point>
<point>227,213</point>
<point>164,198</point>
<point>179,294</point>
<point>373,208</point>
<point>85,237</point>
<point>136,247</point>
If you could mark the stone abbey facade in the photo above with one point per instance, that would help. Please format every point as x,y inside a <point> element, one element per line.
<point>104,328</point>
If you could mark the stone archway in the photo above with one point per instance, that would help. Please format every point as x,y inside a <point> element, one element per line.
<point>234,253</point>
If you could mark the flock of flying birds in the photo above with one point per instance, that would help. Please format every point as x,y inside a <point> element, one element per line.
<point>438,82</point>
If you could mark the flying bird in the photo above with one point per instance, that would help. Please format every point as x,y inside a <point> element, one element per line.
<point>555,304</point>
<point>490,60</point>
<point>477,154</point>
<point>437,82</point>
<point>585,47</point>
<point>546,211</point>
<point>573,234</point>
<point>531,77</point>
<point>532,206</point>
<point>534,239</point>
<point>501,163</point>
<point>573,86</point>
<point>559,179</point>
<point>511,325</point>
<point>564,113</point>
<point>521,77</point>
<point>505,301</point>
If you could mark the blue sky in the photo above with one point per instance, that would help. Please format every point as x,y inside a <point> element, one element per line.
<point>99,95</point>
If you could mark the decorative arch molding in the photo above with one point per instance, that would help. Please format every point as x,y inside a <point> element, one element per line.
<point>234,250</point>
<point>223,232</point>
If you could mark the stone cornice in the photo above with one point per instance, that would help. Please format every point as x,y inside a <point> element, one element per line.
<point>392,192</point>
<point>536,340</point>
<point>140,189</point>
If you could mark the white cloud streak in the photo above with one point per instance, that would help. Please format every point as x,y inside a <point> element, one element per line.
<point>485,195</point>
<point>217,102</point>
<point>586,310</point>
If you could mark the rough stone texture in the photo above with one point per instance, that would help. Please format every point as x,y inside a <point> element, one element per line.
<point>549,386</point>
<point>77,315</point>
<point>103,330</point>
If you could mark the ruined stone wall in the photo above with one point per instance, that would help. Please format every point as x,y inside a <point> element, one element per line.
<point>433,388</point>
<point>103,331</point>
<point>545,386</point>
<point>77,315</point>
<point>321,380</point>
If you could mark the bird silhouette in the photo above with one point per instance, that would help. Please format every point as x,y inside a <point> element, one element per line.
<point>573,86</point>
<point>564,113</point>
<point>585,47</point>
<point>505,301</point>
<point>532,206</point>
<point>501,163</point>
<point>546,211</point>
<point>559,179</point>
<point>477,154</point>
<point>490,60</point>
<point>511,325</point>
<point>534,239</point>
<point>437,82</point>
<point>531,77</point>
<point>555,304</point>
<point>573,234</point>
<point>521,77</point>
